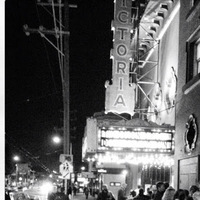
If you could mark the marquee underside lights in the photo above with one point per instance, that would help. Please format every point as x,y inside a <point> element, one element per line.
<point>136,159</point>
<point>145,145</point>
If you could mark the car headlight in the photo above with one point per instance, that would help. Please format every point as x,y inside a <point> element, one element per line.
<point>46,188</point>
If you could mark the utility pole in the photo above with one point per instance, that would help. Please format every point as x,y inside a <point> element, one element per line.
<point>64,64</point>
<point>66,82</point>
<point>66,99</point>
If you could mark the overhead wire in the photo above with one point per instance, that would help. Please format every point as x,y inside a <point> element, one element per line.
<point>26,153</point>
<point>52,15</point>
<point>61,38</point>
<point>47,54</point>
<point>56,31</point>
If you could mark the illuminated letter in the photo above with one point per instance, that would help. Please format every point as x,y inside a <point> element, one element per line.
<point>121,50</point>
<point>121,66</point>
<point>122,30</point>
<point>119,101</point>
<point>120,17</point>
<point>120,83</point>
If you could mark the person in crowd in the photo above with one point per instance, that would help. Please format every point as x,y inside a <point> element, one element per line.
<point>132,194</point>
<point>105,194</point>
<point>60,195</point>
<point>177,193</point>
<point>86,191</point>
<point>149,193</point>
<point>69,192</point>
<point>51,196</point>
<point>121,192</point>
<point>192,190</point>
<point>74,190</point>
<point>186,192</point>
<point>97,191</point>
<point>7,196</point>
<point>160,190</point>
<point>154,190</point>
<point>196,195</point>
<point>137,189</point>
<point>169,193</point>
<point>141,195</point>
<point>166,184</point>
<point>180,195</point>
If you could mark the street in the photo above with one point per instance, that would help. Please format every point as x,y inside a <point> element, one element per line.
<point>81,196</point>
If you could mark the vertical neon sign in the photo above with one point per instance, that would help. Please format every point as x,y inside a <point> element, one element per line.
<point>120,96</point>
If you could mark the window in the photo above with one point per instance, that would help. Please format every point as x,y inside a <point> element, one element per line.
<point>198,56</point>
<point>194,8</point>
<point>194,2</point>
<point>193,56</point>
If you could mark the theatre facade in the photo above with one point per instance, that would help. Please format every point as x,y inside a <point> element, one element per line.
<point>148,131</point>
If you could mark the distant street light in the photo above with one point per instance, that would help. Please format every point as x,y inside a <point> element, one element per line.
<point>56,139</point>
<point>82,168</point>
<point>16,158</point>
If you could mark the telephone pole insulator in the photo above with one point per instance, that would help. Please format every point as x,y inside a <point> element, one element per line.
<point>43,30</point>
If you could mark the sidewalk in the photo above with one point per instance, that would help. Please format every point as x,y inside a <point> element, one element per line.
<point>81,196</point>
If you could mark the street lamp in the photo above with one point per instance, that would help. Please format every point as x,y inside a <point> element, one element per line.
<point>56,139</point>
<point>82,168</point>
<point>16,158</point>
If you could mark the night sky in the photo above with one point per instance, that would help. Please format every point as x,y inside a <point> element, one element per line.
<point>33,90</point>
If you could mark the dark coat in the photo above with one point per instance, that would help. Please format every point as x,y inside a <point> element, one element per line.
<point>141,197</point>
<point>105,195</point>
<point>121,194</point>
<point>158,195</point>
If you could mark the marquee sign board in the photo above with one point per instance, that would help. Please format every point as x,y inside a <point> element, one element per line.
<point>120,95</point>
<point>136,139</point>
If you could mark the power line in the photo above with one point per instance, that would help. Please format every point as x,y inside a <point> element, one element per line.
<point>51,14</point>
<point>46,52</point>
<point>12,142</point>
<point>56,32</point>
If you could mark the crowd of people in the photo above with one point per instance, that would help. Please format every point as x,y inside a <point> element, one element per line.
<point>161,191</point>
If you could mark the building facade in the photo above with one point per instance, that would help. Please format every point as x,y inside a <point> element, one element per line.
<point>187,141</point>
<point>155,80</point>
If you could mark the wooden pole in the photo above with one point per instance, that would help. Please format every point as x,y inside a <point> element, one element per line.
<point>66,125</point>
